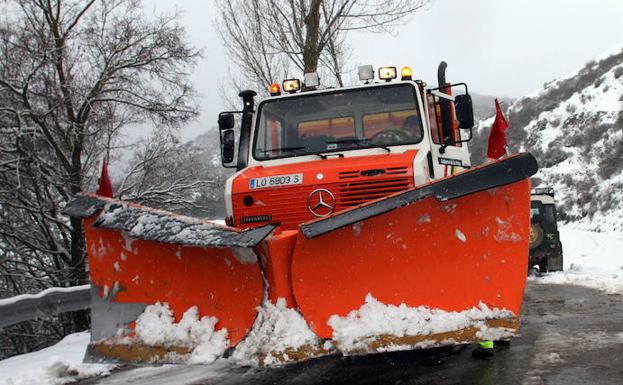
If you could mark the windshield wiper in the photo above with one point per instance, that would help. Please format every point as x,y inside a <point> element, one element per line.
<point>294,150</point>
<point>365,142</point>
<point>272,150</point>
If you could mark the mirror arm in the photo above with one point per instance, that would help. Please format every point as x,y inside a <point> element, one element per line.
<point>228,112</point>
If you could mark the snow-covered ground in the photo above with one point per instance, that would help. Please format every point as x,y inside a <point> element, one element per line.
<point>591,259</point>
<point>55,365</point>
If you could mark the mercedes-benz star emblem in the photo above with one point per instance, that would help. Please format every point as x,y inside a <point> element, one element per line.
<point>321,202</point>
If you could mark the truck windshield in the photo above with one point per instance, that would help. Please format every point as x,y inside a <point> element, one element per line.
<point>379,116</point>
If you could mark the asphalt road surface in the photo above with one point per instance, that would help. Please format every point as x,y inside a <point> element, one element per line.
<point>570,335</point>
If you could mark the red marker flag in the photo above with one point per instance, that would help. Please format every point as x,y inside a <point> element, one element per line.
<point>497,136</point>
<point>105,186</point>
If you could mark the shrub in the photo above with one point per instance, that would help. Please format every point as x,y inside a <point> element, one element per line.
<point>553,156</point>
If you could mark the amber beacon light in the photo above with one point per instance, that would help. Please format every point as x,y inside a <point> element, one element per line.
<point>274,89</point>
<point>406,73</point>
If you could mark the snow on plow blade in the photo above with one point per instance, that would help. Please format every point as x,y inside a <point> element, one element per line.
<point>440,264</point>
<point>166,288</point>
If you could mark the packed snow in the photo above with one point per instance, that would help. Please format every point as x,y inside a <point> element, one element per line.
<point>162,226</point>
<point>276,329</point>
<point>354,331</point>
<point>590,259</point>
<point>157,327</point>
<point>55,365</point>
<point>460,236</point>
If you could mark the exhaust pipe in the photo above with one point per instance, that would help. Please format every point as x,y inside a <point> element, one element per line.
<point>245,127</point>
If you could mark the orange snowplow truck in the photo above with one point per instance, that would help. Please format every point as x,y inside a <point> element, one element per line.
<point>354,210</point>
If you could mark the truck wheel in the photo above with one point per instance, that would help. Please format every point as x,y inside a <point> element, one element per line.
<point>536,235</point>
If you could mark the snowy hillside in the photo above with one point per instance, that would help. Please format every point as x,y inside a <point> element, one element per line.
<point>574,127</point>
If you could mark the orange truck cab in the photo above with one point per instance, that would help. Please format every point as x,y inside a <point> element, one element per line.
<point>309,153</point>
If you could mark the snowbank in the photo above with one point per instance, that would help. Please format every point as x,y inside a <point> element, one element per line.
<point>58,364</point>
<point>374,318</point>
<point>277,329</point>
<point>157,327</point>
<point>590,259</point>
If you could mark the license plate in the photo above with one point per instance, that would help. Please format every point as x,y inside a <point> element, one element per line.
<point>276,181</point>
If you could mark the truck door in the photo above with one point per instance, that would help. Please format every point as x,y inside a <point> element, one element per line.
<point>449,156</point>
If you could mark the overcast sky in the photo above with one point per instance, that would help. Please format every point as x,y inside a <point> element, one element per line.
<point>498,47</point>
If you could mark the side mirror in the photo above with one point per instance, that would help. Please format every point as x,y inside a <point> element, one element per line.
<point>225,121</point>
<point>464,110</point>
<point>227,145</point>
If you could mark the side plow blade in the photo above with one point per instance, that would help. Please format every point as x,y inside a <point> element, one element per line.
<point>167,288</point>
<point>441,264</point>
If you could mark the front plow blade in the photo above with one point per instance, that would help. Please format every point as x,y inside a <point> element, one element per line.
<point>489,176</point>
<point>424,273</point>
<point>149,267</point>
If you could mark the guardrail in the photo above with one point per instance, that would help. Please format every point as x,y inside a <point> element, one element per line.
<point>46,303</point>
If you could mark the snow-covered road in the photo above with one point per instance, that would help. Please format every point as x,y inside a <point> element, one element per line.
<point>591,259</point>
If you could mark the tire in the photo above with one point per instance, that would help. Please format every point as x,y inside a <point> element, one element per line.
<point>536,235</point>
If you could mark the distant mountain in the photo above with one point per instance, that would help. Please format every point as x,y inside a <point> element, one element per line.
<point>574,127</point>
<point>484,105</point>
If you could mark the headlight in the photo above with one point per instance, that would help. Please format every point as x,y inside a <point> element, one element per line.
<point>387,73</point>
<point>291,85</point>
<point>311,80</point>
<point>366,73</point>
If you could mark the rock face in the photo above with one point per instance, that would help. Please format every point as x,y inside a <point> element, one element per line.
<point>574,127</point>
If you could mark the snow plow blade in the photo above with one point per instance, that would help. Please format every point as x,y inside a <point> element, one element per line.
<point>436,265</point>
<point>489,176</point>
<point>166,288</point>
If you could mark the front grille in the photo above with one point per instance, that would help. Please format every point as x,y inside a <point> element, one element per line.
<point>356,193</point>
<point>349,174</point>
<point>397,170</point>
<point>355,174</point>
<point>288,206</point>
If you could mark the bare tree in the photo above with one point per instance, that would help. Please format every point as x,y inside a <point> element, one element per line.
<point>270,40</point>
<point>166,173</point>
<point>73,74</point>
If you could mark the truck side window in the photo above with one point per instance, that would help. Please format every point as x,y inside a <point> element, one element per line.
<point>270,135</point>
<point>434,112</point>
<point>432,118</point>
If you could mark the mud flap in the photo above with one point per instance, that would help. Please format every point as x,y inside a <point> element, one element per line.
<point>140,257</point>
<point>451,255</point>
